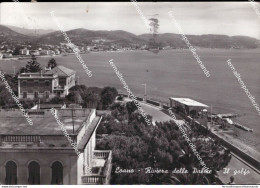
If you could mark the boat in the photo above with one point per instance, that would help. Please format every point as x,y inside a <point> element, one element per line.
<point>154,50</point>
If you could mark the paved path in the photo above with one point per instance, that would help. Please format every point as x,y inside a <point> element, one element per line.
<point>154,111</point>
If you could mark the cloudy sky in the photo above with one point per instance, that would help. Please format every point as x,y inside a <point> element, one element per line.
<point>228,18</point>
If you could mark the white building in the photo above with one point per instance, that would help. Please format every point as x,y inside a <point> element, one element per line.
<point>41,154</point>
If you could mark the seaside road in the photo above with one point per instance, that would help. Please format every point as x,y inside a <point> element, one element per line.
<point>157,114</point>
<point>154,111</point>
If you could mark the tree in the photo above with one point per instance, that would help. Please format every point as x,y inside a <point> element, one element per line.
<point>31,66</point>
<point>75,97</point>
<point>22,70</point>
<point>17,50</point>
<point>90,99</point>
<point>80,88</point>
<point>6,100</point>
<point>57,100</point>
<point>52,63</point>
<point>131,107</point>
<point>108,95</point>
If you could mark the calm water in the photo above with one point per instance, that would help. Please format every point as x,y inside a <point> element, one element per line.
<point>177,74</point>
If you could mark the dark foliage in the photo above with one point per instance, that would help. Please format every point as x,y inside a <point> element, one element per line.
<point>131,107</point>
<point>52,63</point>
<point>108,95</point>
<point>136,146</point>
<point>31,66</point>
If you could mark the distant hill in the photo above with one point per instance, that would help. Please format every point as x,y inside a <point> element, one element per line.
<point>30,32</point>
<point>206,41</point>
<point>84,36</point>
<point>8,35</point>
<point>123,38</point>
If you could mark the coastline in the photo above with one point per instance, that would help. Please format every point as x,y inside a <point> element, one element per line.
<point>163,96</point>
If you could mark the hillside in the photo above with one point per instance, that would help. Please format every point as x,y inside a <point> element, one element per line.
<point>30,32</point>
<point>84,36</point>
<point>206,41</point>
<point>8,35</point>
<point>119,37</point>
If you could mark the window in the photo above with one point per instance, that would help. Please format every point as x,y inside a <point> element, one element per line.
<point>47,83</point>
<point>57,173</point>
<point>58,93</point>
<point>24,83</point>
<point>24,95</point>
<point>36,113</point>
<point>36,94</point>
<point>47,94</point>
<point>34,173</point>
<point>11,173</point>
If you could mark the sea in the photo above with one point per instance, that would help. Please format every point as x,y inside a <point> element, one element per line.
<point>176,73</point>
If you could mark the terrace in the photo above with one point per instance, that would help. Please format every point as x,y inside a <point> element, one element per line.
<point>101,169</point>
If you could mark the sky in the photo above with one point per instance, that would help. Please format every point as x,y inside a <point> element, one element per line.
<point>196,18</point>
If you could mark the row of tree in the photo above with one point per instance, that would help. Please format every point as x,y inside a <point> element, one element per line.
<point>92,97</point>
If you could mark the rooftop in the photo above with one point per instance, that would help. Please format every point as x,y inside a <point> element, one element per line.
<point>46,133</point>
<point>61,71</point>
<point>36,75</point>
<point>14,123</point>
<point>189,102</point>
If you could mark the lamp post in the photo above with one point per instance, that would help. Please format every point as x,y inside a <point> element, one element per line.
<point>78,81</point>
<point>14,70</point>
<point>145,95</point>
<point>211,114</point>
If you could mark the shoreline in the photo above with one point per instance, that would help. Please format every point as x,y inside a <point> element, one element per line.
<point>120,51</point>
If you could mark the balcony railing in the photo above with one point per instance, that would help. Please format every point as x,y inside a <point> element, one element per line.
<point>93,179</point>
<point>59,88</point>
<point>19,138</point>
<point>101,154</point>
<point>104,176</point>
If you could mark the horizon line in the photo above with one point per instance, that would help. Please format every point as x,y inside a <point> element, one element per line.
<point>128,32</point>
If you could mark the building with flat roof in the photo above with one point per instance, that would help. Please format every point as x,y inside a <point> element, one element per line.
<point>41,154</point>
<point>55,82</point>
<point>187,106</point>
